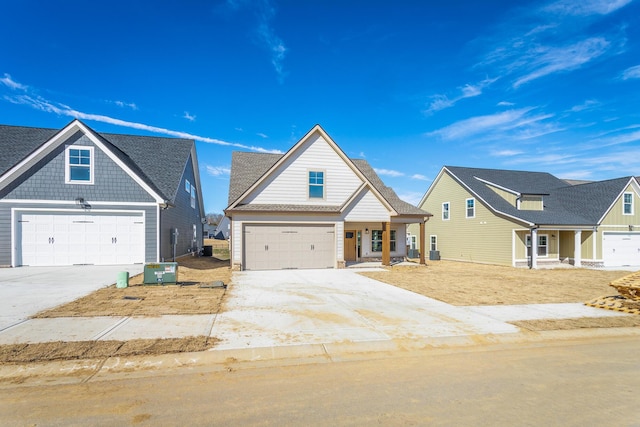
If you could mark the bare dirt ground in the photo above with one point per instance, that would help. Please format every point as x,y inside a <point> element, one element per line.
<point>188,297</point>
<point>463,284</point>
<point>455,283</point>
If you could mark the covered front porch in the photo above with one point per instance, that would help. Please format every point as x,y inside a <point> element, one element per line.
<point>541,247</point>
<point>385,243</point>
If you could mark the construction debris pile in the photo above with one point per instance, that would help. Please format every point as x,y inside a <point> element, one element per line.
<point>629,299</point>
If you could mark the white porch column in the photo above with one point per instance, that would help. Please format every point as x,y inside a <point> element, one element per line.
<point>534,248</point>
<point>577,248</point>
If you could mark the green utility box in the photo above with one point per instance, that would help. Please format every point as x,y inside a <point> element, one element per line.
<point>160,273</point>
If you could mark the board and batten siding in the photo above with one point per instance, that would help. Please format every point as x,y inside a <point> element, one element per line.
<point>615,220</point>
<point>486,238</point>
<point>289,184</point>
<point>367,207</point>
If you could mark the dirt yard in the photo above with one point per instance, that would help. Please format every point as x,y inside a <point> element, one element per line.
<point>462,284</point>
<point>188,297</point>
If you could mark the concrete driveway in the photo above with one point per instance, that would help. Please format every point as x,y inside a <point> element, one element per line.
<point>295,307</point>
<point>24,291</point>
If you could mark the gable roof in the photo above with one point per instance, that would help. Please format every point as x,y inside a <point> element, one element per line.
<point>249,169</point>
<point>159,162</point>
<point>564,204</point>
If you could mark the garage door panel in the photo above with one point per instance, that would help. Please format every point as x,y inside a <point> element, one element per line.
<point>65,239</point>
<point>273,247</point>
<point>621,249</point>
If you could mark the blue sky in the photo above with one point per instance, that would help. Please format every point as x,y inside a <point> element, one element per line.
<point>409,85</point>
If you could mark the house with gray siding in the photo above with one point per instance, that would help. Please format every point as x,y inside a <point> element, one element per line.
<point>75,196</point>
<point>313,207</point>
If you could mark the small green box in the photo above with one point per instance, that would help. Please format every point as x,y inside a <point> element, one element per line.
<point>160,273</point>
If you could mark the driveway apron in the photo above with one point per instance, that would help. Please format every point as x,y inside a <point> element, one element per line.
<point>25,291</point>
<point>295,307</point>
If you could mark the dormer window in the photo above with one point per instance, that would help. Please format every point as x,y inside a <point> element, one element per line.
<point>316,184</point>
<point>79,165</point>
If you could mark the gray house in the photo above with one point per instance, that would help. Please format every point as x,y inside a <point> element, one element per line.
<point>74,196</point>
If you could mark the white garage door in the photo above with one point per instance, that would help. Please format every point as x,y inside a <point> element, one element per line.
<point>45,239</point>
<point>620,249</point>
<point>276,247</point>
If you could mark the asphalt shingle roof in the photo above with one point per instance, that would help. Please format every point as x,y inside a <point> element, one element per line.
<point>247,168</point>
<point>564,204</point>
<point>159,161</point>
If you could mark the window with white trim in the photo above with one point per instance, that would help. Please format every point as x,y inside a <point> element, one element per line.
<point>78,165</point>
<point>434,243</point>
<point>543,240</point>
<point>627,204</point>
<point>193,196</point>
<point>445,211</point>
<point>470,208</point>
<point>187,186</point>
<point>376,240</point>
<point>316,185</point>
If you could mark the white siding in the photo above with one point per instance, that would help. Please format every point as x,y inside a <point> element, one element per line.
<point>366,208</point>
<point>290,183</point>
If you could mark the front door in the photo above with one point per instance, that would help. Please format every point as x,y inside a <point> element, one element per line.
<point>350,245</point>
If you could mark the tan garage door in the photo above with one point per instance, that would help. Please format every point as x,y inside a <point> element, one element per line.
<point>277,247</point>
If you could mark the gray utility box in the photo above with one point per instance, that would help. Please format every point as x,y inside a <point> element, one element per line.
<point>160,273</point>
<point>434,255</point>
<point>414,253</point>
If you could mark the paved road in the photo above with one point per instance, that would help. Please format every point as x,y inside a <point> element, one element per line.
<point>572,383</point>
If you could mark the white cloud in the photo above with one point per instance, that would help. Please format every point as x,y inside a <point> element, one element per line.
<point>412,197</point>
<point>440,101</point>
<point>420,177</point>
<point>506,153</point>
<point>586,105</point>
<point>190,117</point>
<point>123,104</point>
<point>631,73</point>
<point>9,82</point>
<point>218,171</point>
<point>262,135</point>
<point>550,60</point>
<point>42,104</point>
<point>505,104</point>
<point>266,36</point>
<point>388,172</point>
<point>480,124</point>
<point>586,7</point>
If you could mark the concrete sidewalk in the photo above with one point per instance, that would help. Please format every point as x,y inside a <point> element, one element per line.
<point>298,308</point>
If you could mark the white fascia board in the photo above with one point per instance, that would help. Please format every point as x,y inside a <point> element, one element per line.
<point>634,184</point>
<point>508,190</point>
<point>92,136</point>
<point>296,147</point>
<point>73,202</point>
<point>39,153</point>
<point>515,218</point>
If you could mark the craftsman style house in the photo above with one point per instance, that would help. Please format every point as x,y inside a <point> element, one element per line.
<point>532,219</point>
<point>313,207</point>
<point>74,196</point>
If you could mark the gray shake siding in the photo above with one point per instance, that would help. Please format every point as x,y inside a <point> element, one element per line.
<point>131,175</point>
<point>46,180</point>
